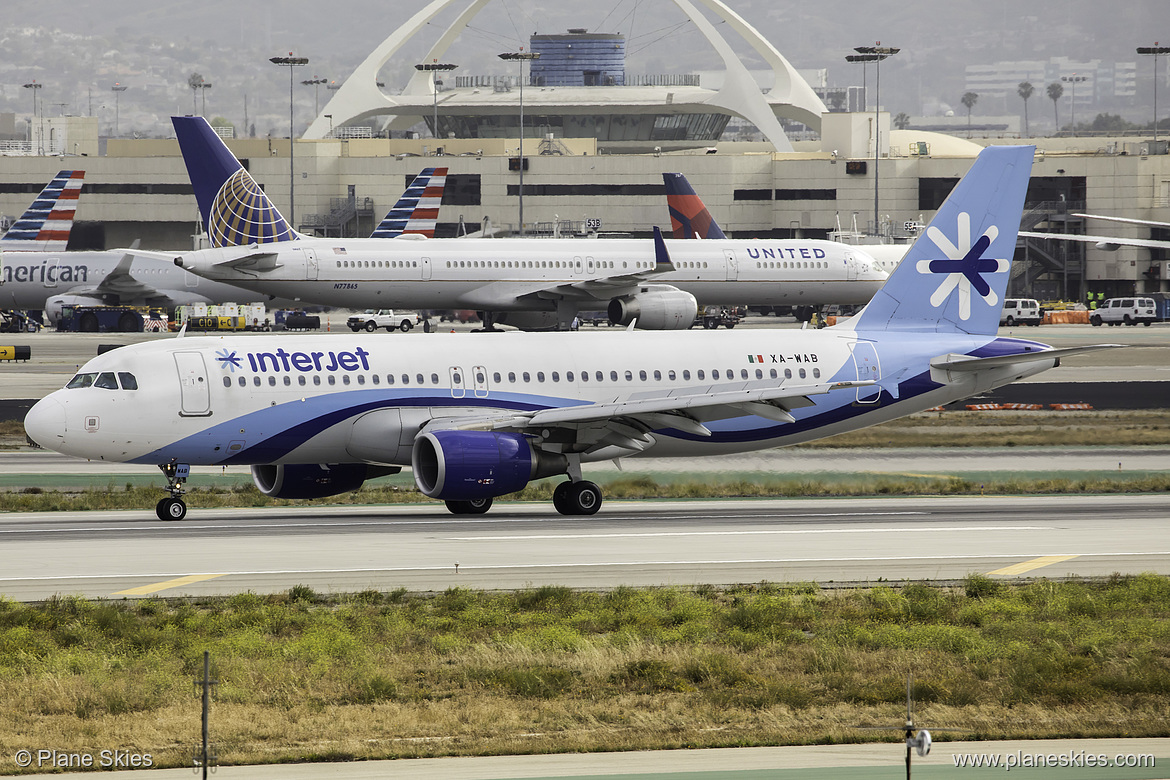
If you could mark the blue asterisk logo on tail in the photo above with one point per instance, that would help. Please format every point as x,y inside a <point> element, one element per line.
<point>964,267</point>
<point>228,360</point>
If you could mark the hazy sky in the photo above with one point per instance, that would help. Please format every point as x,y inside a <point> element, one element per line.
<point>230,42</point>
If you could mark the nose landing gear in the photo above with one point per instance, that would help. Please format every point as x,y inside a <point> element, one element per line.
<point>173,508</point>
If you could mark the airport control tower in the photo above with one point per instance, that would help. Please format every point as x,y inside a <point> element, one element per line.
<point>579,59</point>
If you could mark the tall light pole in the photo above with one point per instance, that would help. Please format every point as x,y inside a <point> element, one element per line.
<point>519,57</point>
<point>315,83</point>
<point>1074,79</point>
<point>1154,50</point>
<point>874,54</point>
<point>35,85</point>
<point>291,63</point>
<point>434,68</point>
<point>203,87</point>
<point>117,89</point>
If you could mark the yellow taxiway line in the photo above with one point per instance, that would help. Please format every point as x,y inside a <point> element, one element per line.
<point>143,590</point>
<point>1035,563</point>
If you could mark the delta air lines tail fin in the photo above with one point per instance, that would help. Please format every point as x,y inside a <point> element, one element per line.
<point>689,217</point>
<point>235,210</point>
<point>417,211</point>
<point>955,275</point>
<point>46,224</point>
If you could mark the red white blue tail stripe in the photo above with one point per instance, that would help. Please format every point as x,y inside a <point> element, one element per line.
<point>417,211</point>
<point>46,224</point>
<point>689,217</point>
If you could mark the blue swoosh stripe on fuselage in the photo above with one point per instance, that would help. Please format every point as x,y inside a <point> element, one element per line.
<point>320,413</point>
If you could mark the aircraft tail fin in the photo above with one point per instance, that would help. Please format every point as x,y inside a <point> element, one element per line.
<point>417,211</point>
<point>953,279</point>
<point>234,208</point>
<point>689,217</point>
<point>46,224</point>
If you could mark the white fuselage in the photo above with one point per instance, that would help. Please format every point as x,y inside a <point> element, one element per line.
<point>532,274</point>
<point>296,399</point>
<point>28,280</point>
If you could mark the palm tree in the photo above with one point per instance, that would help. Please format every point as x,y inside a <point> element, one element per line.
<point>902,121</point>
<point>969,100</point>
<point>1025,91</point>
<point>1055,90</point>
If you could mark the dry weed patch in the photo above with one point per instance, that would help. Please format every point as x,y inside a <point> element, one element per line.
<point>376,675</point>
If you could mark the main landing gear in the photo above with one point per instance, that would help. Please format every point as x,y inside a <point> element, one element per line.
<point>173,508</point>
<point>476,506</point>
<point>577,498</point>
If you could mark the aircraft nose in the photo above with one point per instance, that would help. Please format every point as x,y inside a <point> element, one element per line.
<point>44,425</point>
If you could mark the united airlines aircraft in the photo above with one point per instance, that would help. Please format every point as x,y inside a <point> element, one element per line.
<point>476,419</point>
<point>254,247</point>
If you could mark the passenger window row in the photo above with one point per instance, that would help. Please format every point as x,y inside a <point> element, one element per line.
<point>524,377</point>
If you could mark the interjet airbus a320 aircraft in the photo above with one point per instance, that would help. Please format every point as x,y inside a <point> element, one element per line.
<point>255,248</point>
<point>476,419</point>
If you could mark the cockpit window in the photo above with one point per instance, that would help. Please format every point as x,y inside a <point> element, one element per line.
<point>81,380</point>
<point>128,380</point>
<point>106,381</point>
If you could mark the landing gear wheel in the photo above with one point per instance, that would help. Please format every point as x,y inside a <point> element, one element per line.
<point>171,509</point>
<point>476,506</point>
<point>580,498</point>
<point>560,498</point>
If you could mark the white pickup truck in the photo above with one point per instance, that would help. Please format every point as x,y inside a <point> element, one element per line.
<point>372,319</point>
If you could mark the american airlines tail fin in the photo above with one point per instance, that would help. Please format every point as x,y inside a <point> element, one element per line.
<point>417,211</point>
<point>689,218</point>
<point>235,210</point>
<point>955,275</point>
<point>45,225</point>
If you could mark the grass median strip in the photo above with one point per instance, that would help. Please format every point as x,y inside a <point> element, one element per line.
<point>550,669</point>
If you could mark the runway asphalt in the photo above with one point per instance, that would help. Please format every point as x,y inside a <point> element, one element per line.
<point>423,548</point>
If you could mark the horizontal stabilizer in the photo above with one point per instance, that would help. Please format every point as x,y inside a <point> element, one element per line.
<point>968,363</point>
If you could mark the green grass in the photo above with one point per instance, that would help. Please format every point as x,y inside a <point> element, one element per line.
<point>549,669</point>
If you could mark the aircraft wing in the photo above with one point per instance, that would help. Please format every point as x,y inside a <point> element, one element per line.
<point>501,294</point>
<point>1103,242</point>
<point>119,282</point>
<point>1125,220</point>
<point>624,421</point>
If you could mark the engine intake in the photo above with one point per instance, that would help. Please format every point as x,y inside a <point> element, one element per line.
<point>464,465</point>
<point>656,307</point>
<point>315,480</point>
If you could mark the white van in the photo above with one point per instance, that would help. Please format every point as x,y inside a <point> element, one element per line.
<point>1125,311</point>
<point>1021,311</point>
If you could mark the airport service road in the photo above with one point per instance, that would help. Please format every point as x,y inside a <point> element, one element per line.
<point>874,761</point>
<point>636,543</point>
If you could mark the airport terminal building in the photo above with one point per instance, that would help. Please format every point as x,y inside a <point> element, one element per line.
<point>597,140</point>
